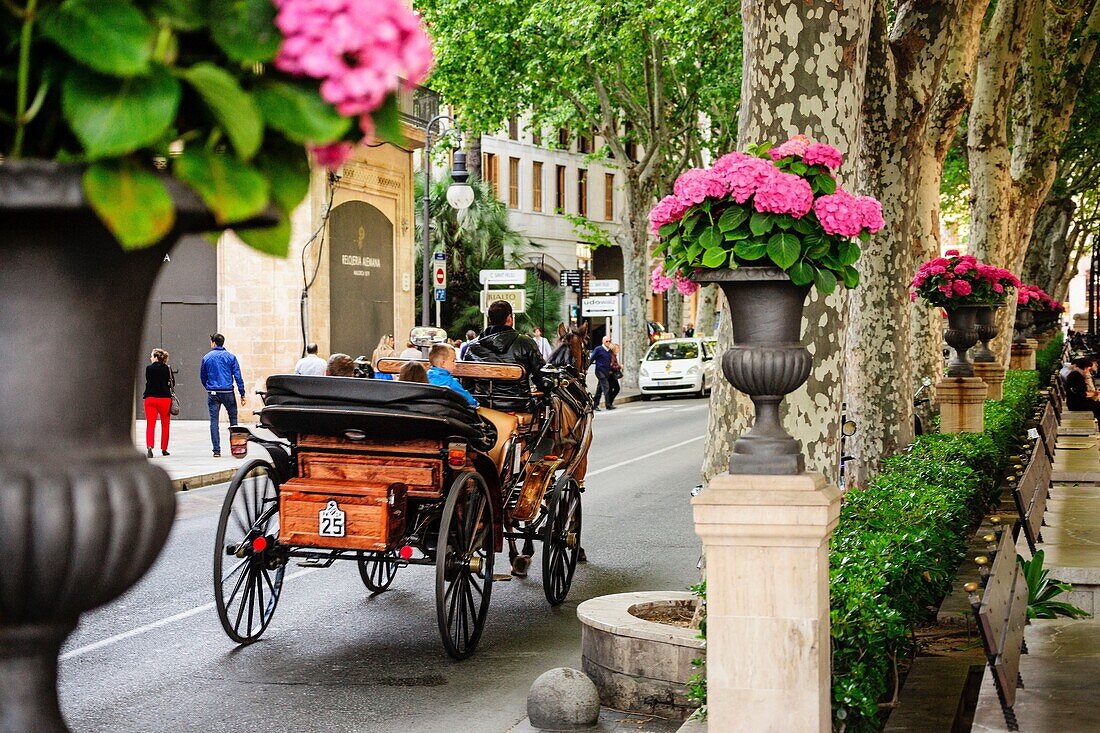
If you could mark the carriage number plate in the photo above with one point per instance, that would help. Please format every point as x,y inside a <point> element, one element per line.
<point>332,522</point>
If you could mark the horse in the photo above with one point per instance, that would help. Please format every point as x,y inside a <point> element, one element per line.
<point>573,404</point>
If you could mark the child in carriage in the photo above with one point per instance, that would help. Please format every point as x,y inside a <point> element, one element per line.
<point>442,360</point>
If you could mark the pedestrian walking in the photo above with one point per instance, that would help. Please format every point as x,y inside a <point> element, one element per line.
<point>601,361</point>
<point>310,365</point>
<point>615,376</point>
<point>218,372</point>
<point>157,399</point>
<point>542,343</point>
<point>470,337</point>
<point>384,350</point>
<point>689,332</point>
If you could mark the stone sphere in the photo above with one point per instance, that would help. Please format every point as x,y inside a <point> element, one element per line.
<point>563,699</point>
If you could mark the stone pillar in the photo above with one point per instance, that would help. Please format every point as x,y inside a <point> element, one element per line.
<point>993,374</point>
<point>962,402</point>
<point>767,551</point>
<point>1023,355</point>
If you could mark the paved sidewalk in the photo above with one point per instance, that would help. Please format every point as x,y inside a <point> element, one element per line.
<point>191,464</point>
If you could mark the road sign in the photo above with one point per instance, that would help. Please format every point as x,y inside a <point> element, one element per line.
<point>603,286</point>
<point>517,298</point>
<point>439,276</point>
<point>439,255</point>
<point>441,294</point>
<point>503,277</point>
<point>600,305</point>
<point>570,277</point>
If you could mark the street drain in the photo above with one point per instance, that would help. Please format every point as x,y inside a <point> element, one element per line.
<point>424,680</point>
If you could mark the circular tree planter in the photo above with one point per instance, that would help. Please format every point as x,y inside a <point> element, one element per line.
<point>639,666</point>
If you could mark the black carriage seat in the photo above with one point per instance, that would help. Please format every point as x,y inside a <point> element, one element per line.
<point>381,409</point>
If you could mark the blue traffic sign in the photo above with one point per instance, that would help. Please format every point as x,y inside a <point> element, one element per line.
<point>441,293</point>
<point>439,256</point>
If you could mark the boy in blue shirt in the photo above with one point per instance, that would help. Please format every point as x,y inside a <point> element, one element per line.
<point>442,360</point>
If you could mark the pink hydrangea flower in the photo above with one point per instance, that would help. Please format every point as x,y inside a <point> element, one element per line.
<point>332,156</point>
<point>684,286</point>
<point>696,185</point>
<point>742,174</point>
<point>838,214</point>
<point>659,280</point>
<point>870,213</point>
<point>796,146</point>
<point>822,154</point>
<point>360,50</point>
<point>961,287</point>
<point>951,253</point>
<point>784,193</point>
<point>668,209</point>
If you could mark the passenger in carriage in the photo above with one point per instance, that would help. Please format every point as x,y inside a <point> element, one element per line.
<point>413,371</point>
<point>442,360</point>
<point>340,365</point>
<point>501,342</point>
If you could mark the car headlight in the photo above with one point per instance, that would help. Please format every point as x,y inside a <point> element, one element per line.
<point>643,372</point>
<point>693,370</point>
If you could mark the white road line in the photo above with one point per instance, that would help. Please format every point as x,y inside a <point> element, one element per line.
<point>109,641</point>
<point>666,449</point>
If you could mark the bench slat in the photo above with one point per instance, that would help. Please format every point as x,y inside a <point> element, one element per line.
<point>998,596</point>
<point>1006,668</point>
<point>467,369</point>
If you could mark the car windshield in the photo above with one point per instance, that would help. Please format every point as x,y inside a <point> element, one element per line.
<point>673,350</point>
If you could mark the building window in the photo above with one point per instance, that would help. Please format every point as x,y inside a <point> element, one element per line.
<point>513,128</point>
<point>490,172</point>
<point>609,196</point>
<point>559,194</point>
<point>513,183</point>
<point>584,144</point>
<point>536,186</point>
<point>563,138</point>
<point>582,192</point>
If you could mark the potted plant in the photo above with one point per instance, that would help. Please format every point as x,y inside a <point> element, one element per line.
<point>766,225</point>
<point>124,126</point>
<point>966,289</point>
<point>1036,311</point>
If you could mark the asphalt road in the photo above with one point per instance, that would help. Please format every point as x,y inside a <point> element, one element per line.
<point>335,659</point>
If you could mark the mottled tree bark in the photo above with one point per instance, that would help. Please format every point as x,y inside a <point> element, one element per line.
<point>804,72</point>
<point>952,98</point>
<point>904,65</point>
<point>705,308</point>
<point>1048,254</point>
<point>675,311</point>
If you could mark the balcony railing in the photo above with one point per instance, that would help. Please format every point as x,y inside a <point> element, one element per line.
<point>418,105</point>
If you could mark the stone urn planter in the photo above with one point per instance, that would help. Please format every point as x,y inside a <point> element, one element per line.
<point>986,326</point>
<point>1024,325</point>
<point>639,666</point>
<point>961,334</point>
<point>82,514</point>
<point>767,361</point>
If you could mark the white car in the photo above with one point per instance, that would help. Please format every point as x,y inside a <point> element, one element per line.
<point>677,366</point>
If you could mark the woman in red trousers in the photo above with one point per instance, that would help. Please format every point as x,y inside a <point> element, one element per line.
<point>158,400</point>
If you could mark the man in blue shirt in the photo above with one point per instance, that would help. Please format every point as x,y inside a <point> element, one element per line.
<point>218,372</point>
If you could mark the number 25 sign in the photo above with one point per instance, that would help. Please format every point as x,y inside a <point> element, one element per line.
<point>331,521</point>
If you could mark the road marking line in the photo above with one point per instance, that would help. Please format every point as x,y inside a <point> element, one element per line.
<point>666,449</point>
<point>81,651</point>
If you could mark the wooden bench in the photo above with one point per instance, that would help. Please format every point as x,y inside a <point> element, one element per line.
<point>463,369</point>
<point>1001,615</point>
<point>1048,430</point>
<point>1030,490</point>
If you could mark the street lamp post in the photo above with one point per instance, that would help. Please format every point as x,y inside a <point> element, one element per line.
<point>459,195</point>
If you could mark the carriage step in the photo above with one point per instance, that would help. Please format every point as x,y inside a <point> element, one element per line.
<point>316,561</point>
<point>501,577</point>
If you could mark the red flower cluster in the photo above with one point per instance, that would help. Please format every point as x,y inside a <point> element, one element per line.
<point>956,279</point>
<point>1035,298</point>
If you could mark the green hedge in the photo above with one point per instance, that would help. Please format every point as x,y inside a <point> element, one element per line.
<point>1049,358</point>
<point>899,542</point>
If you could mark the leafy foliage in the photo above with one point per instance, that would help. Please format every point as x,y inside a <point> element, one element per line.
<point>1043,589</point>
<point>1049,358</point>
<point>122,86</point>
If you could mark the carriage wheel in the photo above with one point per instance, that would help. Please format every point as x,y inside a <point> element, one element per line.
<point>248,574</point>
<point>464,565</point>
<point>561,540</point>
<point>377,574</point>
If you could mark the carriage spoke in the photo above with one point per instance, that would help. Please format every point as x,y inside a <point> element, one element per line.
<point>237,588</point>
<point>232,572</point>
<point>267,577</point>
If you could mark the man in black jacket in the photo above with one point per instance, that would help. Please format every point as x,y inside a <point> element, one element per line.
<point>1078,396</point>
<point>501,342</point>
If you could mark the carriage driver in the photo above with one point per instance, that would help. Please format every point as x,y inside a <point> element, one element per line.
<point>502,343</point>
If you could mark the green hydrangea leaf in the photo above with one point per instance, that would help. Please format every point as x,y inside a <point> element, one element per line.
<point>848,252</point>
<point>110,36</point>
<point>669,229</point>
<point>232,107</point>
<point>784,249</point>
<point>112,117</point>
<point>715,257</point>
<point>732,218</point>
<point>751,249</point>
<point>801,273</point>
<point>132,203</point>
<point>272,240</point>
<point>300,113</point>
<point>245,29</point>
<point>761,223</point>
<point>183,15</point>
<point>824,280</point>
<point>851,277</point>
<point>287,169</point>
<point>711,237</point>
<point>232,189</point>
<point>387,121</point>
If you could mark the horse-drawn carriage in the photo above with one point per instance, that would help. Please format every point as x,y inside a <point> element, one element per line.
<point>392,474</point>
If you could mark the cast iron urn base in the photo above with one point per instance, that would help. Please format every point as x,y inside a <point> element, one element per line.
<point>82,514</point>
<point>767,361</point>
<point>961,334</point>
<point>986,325</point>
